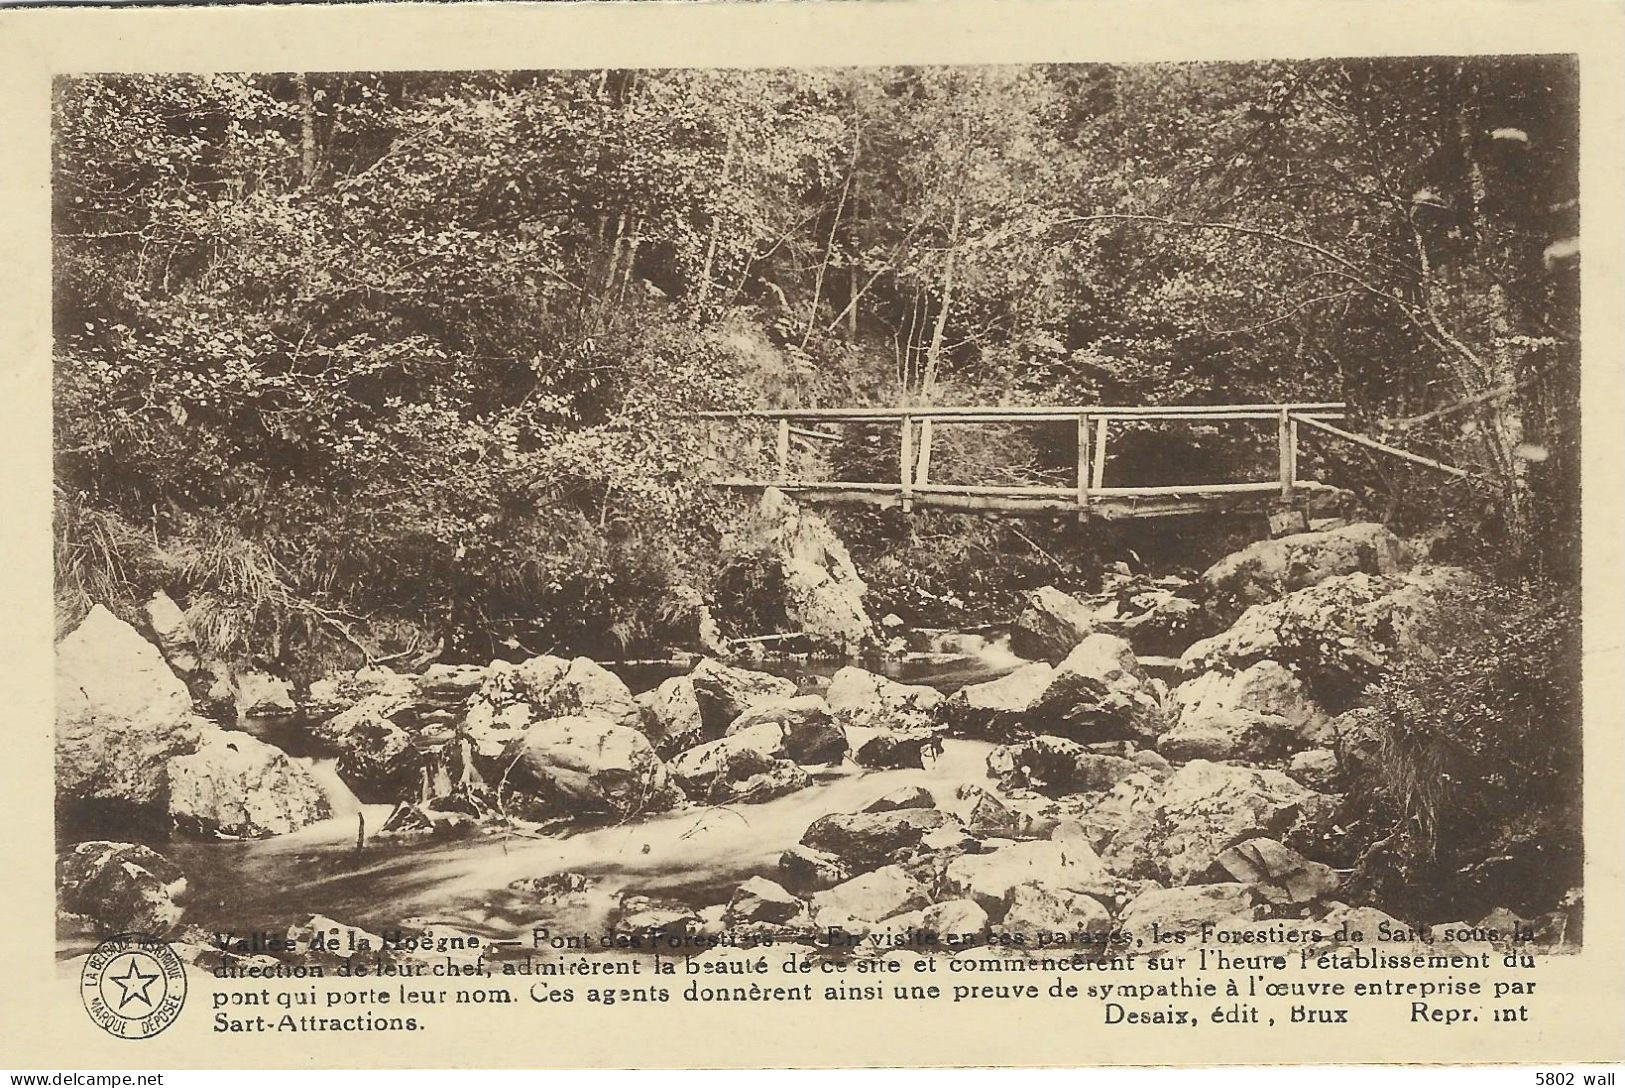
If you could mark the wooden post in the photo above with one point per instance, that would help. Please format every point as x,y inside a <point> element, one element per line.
<point>923,475</point>
<point>906,464</point>
<point>784,449</point>
<point>1083,467</point>
<point>1292,447</point>
<point>1287,433</point>
<point>1100,452</point>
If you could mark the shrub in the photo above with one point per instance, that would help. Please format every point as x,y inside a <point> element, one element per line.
<point>1472,795</point>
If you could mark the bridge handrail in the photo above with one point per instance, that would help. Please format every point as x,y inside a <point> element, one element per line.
<point>985,414</point>
<point>1093,423</point>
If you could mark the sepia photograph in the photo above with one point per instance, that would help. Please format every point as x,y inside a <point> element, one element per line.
<point>923,510</point>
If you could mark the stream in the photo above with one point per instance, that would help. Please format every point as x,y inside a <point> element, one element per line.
<point>697,855</point>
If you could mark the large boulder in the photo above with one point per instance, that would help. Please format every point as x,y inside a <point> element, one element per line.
<point>672,718</point>
<point>812,870</point>
<point>1201,810</point>
<point>868,840</point>
<point>1280,874</point>
<point>887,724</point>
<point>121,713</point>
<point>860,698</point>
<point>810,733</point>
<point>174,635</point>
<point>752,784</point>
<point>884,749</point>
<point>334,733</point>
<point>237,785</point>
<point>869,897</point>
<point>442,682</point>
<point>903,797</point>
<point>1044,919</point>
<point>985,813</point>
<point>1132,799</point>
<point>761,900</point>
<point>1055,765</point>
<point>737,755</point>
<point>952,923</point>
<point>337,692</point>
<point>491,728</point>
<point>258,694</point>
<point>1099,690</point>
<point>590,765</point>
<point>510,697</point>
<point>1001,708</point>
<point>822,593</point>
<point>121,888</point>
<point>373,739</point>
<point>1257,713</point>
<point>1187,910</point>
<point>1064,865</point>
<point>381,764</point>
<point>1343,631</point>
<point>588,688</point>
<point>557,688</point>
<point>724,692</point>
<point>1051,624</point>
<point>1317,768</point>
<point>748,766</point>
<point>1167,627</point>
<point>1270,569</point>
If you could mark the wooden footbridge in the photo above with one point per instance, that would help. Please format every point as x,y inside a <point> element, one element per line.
<point>1089,495</point>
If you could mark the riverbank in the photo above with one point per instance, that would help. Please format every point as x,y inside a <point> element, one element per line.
<point>1071,792</point>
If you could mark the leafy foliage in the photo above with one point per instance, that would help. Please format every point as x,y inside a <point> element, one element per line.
<point>393,364</point>
<point>1472,800</point>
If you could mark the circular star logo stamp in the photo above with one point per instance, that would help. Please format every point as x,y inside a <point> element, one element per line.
<point>133,986</point>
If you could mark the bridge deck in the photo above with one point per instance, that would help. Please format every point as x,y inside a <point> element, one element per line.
<point>1109,503</point>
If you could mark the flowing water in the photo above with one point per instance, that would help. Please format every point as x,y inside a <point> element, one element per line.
<point>698,855</point>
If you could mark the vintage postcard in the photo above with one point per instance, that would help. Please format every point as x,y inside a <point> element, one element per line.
<point>809,534</point>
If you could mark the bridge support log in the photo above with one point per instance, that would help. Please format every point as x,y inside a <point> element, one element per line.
<point>1287,430</point>
<point>1100,453</point>
<point>1083,468</point>
<point>906,464</point>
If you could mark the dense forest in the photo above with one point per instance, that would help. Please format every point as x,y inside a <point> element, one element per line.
<point>362,370</point>
<point>385,365</point>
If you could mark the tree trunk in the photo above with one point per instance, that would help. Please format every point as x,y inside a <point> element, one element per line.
<point>703,295</point>
<point>852,306</point>
<point>829,244</point>
<point>1501,420</point>
<point>933,355</point>
<point>307,129</point>
<point>615,251</point>
<point>631,254</point>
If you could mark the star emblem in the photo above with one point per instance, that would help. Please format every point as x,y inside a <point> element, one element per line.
<point>133,984</point>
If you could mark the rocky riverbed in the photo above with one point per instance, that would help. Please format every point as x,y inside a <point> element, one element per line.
<point>1169,751</point>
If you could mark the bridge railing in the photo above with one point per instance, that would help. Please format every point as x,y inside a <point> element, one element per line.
<point>916,425</point>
